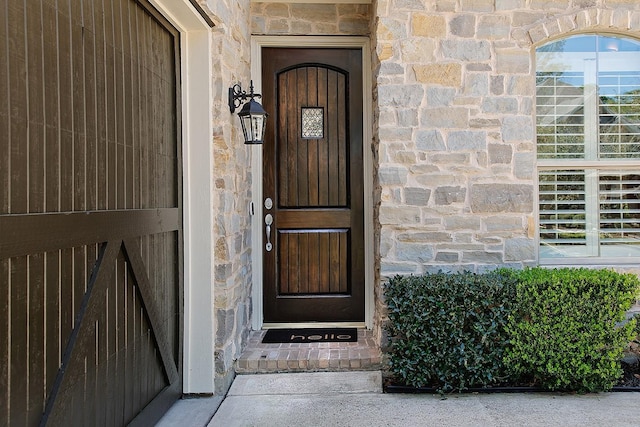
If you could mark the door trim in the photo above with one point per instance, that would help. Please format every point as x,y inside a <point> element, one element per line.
<point>257,43</point>
<point>199,320</point>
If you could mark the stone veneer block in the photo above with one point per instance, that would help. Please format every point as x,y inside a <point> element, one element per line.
<point>526,18</point>
<point>442,118</point>
<point>356,25</point>
<point>314,12</point>
<point>499,105</point>
<point>397,134</point>
<point>494,27</point>
<point>414,252</point>
<point>463,25</point>
<point>450,158</point>
<point>501,223</point>
<point>447,195</point>
<point>484,257</point>
<point>484,123</point>
<point>517,128</point>
<point>524,165</point>
<point>620,19</point>
<point>501,198</point>
<point>418,50</point>
<point>462,222</point>
<point>388,269</point>
<point>520,249</point>
<point>278,26</point>
<point>425,25</point>
<point>634,20</point>
<point>448,74</point>
<point>467,140</point>
<point>550,4</point>
<point>445,5</point>
<point>421,236</point>
<point>448,257</point>
<point>477,5</point>
<point>385,51</point>
<point>417,196</point>
<point>440,96</point>
<point>399,215</point>
<point>276,10</point>
<point>513,61</point>
<point>406,96</point>
<point>500,153</point>
<point>508,5</point>
<point>466,50</point>
<point>391,29</point>
<point>393,175</point>
<point>429,140</point>
<point>477,84</point>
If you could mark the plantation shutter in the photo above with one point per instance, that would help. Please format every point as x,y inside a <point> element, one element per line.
<point>588,143</point>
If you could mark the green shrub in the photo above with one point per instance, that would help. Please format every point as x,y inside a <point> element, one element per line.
<point>567,333</point>
<point>448,330</point>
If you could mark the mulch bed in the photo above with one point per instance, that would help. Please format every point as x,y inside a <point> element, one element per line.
<point>631,367</point>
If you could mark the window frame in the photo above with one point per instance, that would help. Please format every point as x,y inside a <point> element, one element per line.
<point>590,162</point>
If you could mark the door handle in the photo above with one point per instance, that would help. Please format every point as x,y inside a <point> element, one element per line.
<point>268,220</point>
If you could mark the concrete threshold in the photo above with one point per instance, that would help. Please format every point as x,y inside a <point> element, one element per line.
<point>307,383</point>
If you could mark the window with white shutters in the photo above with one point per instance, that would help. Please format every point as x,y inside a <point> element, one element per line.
<point>588,149</point>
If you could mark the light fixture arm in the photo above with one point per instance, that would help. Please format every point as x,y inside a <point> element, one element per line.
<point>237,96</point>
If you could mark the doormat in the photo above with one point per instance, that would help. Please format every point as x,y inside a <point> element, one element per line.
<point>308,335</point>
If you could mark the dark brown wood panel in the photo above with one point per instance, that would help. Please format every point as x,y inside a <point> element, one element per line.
<point>315,269</point>
<point>5,111</point>
<point>313,172</point>
<point>314,262</point>
<point>25,234</point>
<point>5,366</point>
<point>90,213</point>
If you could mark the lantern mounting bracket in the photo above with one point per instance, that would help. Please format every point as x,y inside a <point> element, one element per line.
<point>237,96</point>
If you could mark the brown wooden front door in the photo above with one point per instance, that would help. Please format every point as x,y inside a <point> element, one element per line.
<point>90,213</point>
<point>313,244</point>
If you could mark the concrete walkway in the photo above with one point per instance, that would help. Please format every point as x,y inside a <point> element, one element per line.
<point>356,399</point>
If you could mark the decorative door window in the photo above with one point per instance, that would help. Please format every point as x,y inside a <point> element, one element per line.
<point>312,122</point>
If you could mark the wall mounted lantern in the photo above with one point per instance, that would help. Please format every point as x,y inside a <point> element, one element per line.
<point>253,118</point>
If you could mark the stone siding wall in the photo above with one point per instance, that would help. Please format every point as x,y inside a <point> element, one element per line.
<point>456,125</point>
<point>310,19</point>
<point>231,260</point>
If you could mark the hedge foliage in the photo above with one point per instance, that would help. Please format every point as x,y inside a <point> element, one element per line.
<point>567,332</point>
<point>449,329</point>
<point>561,328</point>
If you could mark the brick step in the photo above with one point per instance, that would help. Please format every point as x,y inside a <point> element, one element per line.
<point>309,357</point>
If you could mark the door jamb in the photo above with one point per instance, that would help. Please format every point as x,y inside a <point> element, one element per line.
<point>257,43</point>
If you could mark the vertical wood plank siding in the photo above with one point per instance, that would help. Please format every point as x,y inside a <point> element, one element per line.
<point>89,326</point>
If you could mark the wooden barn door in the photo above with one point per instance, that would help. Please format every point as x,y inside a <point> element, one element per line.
<point>313,186</point>
<point>90,213</point>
